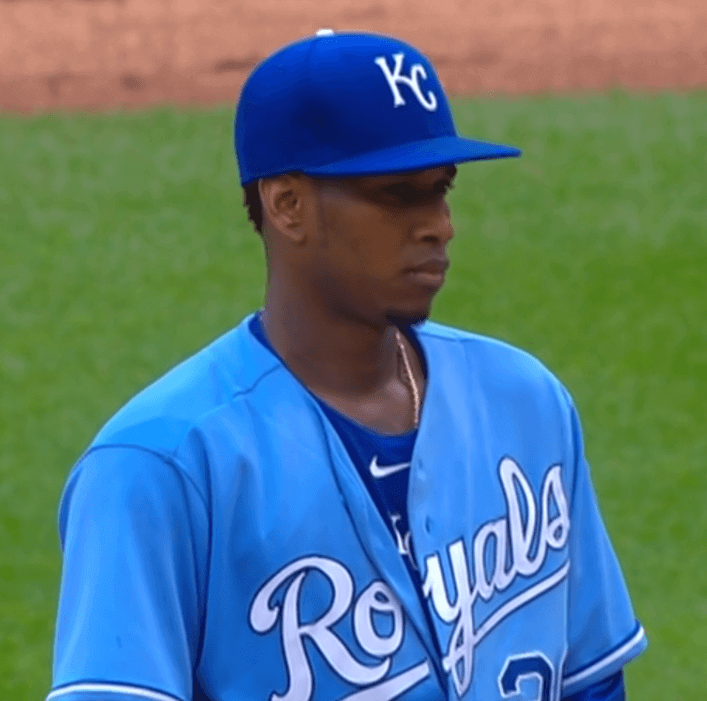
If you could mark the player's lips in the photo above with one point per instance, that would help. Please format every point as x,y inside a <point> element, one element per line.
<point>430,273</point>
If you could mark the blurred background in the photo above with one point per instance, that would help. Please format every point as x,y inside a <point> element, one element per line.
<point>93,53</point>
<point>124,248</point>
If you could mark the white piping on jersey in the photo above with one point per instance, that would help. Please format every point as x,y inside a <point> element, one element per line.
<point>111,689</point>
<point>605,661</point>
<point>393,687</point>
<point>517,601</point>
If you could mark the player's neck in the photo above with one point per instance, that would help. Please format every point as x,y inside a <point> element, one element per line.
<point>332,355</point>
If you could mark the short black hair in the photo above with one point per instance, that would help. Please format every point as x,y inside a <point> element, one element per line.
<point>251,201</point>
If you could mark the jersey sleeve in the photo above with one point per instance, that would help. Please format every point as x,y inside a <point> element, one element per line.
<point>603,634</point>
<point>610,689</point>
<point>134,531</point>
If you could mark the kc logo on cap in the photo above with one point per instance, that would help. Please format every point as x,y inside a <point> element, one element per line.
<point>412,81</point>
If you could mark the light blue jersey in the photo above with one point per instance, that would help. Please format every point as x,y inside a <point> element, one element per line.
<point>220,545</point>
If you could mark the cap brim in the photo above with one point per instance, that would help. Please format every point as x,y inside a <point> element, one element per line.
<point>420,155</point>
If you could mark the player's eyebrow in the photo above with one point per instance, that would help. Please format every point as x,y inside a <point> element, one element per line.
<point>448,176</point>
<point>372,186</point>
<point>447,179</point>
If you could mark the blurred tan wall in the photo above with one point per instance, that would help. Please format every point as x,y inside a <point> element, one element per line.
<point>97,53</point>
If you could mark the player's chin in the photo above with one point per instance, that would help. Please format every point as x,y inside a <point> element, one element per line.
<point>410,305</point>
<point>404,315</point>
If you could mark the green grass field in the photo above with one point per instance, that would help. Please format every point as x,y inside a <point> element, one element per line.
<point>124,247</point>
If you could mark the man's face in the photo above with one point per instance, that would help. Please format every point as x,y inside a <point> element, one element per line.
<point>379,246</point>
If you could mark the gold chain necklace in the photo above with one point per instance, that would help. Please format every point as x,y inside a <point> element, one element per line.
<point>410,378</point>
<point>408,372</point>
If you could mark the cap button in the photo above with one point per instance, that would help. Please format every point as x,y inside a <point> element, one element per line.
<point>325,32</point>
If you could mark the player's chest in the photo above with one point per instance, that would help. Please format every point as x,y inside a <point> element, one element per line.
<point>310,583</point>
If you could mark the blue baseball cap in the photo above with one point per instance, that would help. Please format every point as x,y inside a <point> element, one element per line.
<point>348,105</point>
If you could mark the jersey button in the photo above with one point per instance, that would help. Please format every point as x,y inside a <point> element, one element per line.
<point>428,524</point>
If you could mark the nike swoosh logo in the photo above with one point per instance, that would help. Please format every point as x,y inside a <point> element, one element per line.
<point>386,470</point>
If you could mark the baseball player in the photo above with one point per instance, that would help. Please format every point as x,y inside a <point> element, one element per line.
<point>339,499</point>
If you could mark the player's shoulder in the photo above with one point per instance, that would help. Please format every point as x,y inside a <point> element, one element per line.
<point>158,417</point>
<point>482,370</point>
<point>476,343</point>
<point>154,444</point>
<point>491,359</point>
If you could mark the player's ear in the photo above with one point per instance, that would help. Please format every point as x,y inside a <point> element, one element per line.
<point>284,203</point>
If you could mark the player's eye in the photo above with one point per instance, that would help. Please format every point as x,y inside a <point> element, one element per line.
<point>403,192</point>
<point>406,193</point>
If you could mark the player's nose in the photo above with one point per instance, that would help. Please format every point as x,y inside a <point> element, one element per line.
<point>436,225</point>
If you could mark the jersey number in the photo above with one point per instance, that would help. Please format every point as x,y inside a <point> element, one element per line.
<point>521,667</point>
